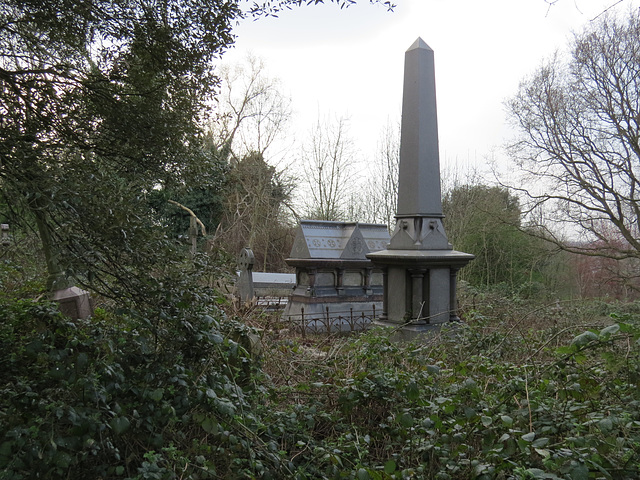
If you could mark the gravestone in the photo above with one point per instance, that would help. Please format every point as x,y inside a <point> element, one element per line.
<point>245,282</point>
<point>419,266</point>
<point>73,302</point>
<point>334,278</point>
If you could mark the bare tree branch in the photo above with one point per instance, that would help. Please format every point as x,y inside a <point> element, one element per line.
<point>578,147</point>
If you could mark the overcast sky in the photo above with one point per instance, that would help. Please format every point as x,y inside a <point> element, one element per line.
<point>350,62</point>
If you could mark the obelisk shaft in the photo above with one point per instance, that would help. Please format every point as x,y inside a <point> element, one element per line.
<point>419,174</point>
<point>419,265</point>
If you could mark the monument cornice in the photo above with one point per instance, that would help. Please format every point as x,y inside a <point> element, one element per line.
<point>419,215</point>
<point>327,262</point>
<point>427,258</point>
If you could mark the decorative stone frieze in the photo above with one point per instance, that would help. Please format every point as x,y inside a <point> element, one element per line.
<point>334,278</point>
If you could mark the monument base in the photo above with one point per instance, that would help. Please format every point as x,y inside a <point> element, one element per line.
<point>423,333</point>
<point>420,285</point>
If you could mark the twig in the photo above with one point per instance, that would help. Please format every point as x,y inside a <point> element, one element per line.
<point>526,390</point>
<point>204,230</point>
<point>305,447</point>
<point>556,336</point>
<point>606,10</point>
<point>517,324</point>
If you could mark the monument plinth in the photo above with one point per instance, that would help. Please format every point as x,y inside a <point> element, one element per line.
<point>419,265</point>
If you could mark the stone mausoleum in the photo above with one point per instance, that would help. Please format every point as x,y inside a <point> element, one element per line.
<point>334,278</point>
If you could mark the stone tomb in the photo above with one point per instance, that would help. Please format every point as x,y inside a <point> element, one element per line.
<point>335,282</point>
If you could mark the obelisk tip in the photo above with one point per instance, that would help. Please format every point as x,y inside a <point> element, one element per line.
<point>419,43</point>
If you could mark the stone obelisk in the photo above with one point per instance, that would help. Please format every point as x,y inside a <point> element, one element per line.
<point>419,265</point>
<point>419,138</point>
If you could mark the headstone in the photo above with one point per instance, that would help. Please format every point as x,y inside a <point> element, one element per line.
<point>73,302</point>
<point>245,282</point>
<point>4,234</point>
<point>420,266</point>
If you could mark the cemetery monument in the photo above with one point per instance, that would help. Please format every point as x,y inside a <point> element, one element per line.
<point>334,278</point>
<point>419,264</point>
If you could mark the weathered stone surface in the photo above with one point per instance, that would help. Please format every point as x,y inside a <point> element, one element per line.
<point>245,282</point>
<point>73,302</point>
<point>413,233</point>
<point>419,171</point>
<point>419,265</point>
<point>275,280</point>
<point>334,278</point>
<point>317,239</point>
<point>4,234</point>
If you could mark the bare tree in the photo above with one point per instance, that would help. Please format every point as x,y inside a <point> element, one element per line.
<point>380,196</point>
<point>256,206</point>
<point>328,164</point>
<point>252,115</point>
<point>579,140</point>
<point>252,110</point>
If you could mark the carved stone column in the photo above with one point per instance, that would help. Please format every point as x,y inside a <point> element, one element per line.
<point>453,300</point>
<point>419,307</point>
<point>340,281</point>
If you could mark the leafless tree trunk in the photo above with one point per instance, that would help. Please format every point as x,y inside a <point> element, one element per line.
<point>328,164</point>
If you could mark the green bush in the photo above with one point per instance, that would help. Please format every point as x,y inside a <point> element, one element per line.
<point>454,408</point>
<point>127,395</point>
<point>103,398</point>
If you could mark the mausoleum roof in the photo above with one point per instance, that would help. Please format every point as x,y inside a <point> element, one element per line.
<point>338,240</point>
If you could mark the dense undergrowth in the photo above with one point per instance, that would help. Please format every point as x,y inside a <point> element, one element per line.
<point>520,390</point>
<point>550,394</point>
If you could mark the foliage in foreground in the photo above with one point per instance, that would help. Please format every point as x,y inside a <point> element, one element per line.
<point>102,398</point>
<point>107,398</point>
<point>479,404</point>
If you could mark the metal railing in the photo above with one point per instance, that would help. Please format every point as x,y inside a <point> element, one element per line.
<point>333,322</point>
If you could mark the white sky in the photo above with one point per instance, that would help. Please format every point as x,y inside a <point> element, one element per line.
<point>350,62</point>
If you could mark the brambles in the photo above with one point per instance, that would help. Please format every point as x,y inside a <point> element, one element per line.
<point>522,390</point>
<point>488,401</point>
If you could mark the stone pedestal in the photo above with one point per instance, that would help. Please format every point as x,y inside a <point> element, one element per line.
<point>421,285</point>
